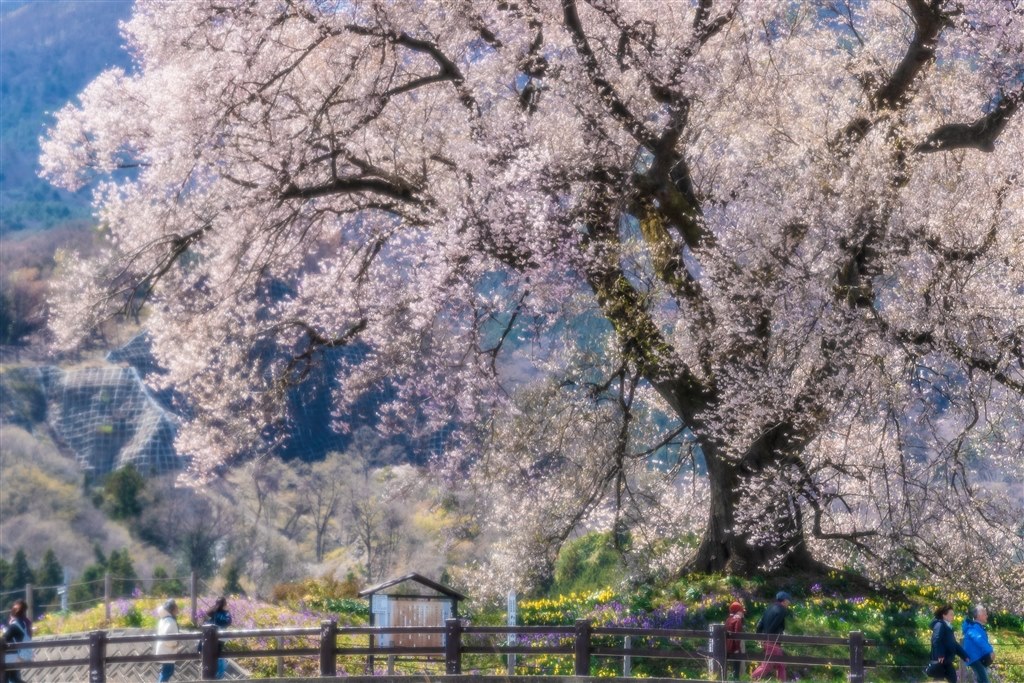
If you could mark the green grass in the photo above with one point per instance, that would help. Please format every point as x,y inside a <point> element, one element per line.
<point>897,624</point>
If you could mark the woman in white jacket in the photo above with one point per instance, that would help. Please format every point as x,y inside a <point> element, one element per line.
<point>167,625</point>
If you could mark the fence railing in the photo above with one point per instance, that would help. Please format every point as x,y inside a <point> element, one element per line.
<point>582,641</point>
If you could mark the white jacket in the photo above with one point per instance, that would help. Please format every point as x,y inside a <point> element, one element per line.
<point>167,625</point>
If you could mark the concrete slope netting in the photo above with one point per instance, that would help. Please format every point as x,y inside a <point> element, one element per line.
<point>108,419</point>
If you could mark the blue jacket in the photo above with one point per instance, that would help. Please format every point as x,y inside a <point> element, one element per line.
<point>220,619</point>
<point>975,641</point>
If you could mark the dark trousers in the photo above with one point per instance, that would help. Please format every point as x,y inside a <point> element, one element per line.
<point>980,672</point>
<point>734,666</point>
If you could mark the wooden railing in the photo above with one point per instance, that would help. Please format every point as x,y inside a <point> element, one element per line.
<point>587,642</point>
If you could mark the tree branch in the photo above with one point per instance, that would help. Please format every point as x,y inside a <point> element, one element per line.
<point>980,134</point>
<point>604,88</point>
<point>893,94</point>
<point>351,186</point>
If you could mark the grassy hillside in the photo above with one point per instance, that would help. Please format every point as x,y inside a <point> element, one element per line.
<point>898,623</point>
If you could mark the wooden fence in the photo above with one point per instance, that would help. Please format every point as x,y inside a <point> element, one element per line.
<point>583,642</point>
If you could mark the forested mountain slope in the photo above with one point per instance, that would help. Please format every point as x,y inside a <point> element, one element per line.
<point>48,52</point>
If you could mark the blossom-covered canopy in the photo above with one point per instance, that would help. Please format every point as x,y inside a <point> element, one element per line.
<point>793,228</point>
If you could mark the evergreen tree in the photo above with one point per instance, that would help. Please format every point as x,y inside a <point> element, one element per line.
<point>5,575</point>
<point>121,493</point>
<point>122,572</point>
<point>89,586</point>
<point>49,575</point>
<point>165,586</point>
<point>21,574</point>
<point>233,578</point>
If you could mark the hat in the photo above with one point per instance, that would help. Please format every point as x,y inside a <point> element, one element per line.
<point>736,607</point>
<point>170,605</point>
<point>782,595</point>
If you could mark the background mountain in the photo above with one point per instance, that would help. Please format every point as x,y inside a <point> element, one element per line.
<point>49,51</point>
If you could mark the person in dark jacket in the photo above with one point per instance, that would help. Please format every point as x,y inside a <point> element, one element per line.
<point>944,646</point>
<point>16,630</point>
<point>20,610</point>
<point>221,618</point>
<point>979,650</point>
<point>773,622</point>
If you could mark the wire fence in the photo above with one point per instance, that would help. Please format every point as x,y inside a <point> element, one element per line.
<point>73,596</point>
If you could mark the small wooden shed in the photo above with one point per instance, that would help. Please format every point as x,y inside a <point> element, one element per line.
<point>412,600</point>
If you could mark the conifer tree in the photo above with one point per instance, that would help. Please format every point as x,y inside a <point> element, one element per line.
<point>21,575</point>
<point>122,572</point>
<point>49,575</point>
<point>164,586</point>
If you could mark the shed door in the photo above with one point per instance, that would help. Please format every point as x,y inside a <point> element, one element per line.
<point>417,613</point>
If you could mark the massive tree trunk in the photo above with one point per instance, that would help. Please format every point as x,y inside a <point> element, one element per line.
<point>725,546</point>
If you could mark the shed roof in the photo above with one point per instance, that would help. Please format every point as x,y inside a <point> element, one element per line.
<point>418,578</point>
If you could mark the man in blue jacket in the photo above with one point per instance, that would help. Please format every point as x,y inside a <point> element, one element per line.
<point>979,650</point>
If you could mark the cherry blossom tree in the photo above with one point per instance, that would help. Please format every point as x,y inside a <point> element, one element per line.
<point>796,228</point>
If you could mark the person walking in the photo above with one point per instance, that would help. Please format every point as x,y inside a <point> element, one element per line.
<point>980,652</point>
<point>944,646</point>
<point>166,626</point>
<point>734,624</point>
<point>773,622</point>
<point>17,630</point>
<point>219,616</point>
<point>20,608</point>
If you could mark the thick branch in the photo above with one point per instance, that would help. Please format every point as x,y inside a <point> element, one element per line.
<point>449,70</point>
<point>980,134</point>
<point>894,93</point>
<point>704,27</point>
<point>642,342</point>
<point>929,19</point>
<point>611,99</point>
<point>350,186</point>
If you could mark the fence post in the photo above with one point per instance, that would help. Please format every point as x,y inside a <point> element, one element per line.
<point>856,657</point>
<point>63,592</point>
<point>718,649</point>
<point>29,601</point>
<point>280,660</point>
<point>328,648</point>
<point>192,597</point>
<point>582,647</point>
<point>627,660</point>
<point>3,659</point>
<point>211,648</point>
<point>97,657</point>
<point>106,595</point>
<point>452,646</point>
